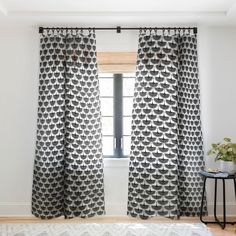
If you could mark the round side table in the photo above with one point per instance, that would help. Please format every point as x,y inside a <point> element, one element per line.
<point>205,176</point>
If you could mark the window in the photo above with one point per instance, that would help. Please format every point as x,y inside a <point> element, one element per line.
<point>116,91</point>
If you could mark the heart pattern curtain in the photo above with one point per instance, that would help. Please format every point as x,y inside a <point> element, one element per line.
<point>68,167</point>
<point>166,140</point>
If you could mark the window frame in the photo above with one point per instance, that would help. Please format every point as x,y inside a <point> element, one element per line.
<point>118,146</point>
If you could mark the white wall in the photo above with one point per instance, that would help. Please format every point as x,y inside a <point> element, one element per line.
<point>18,100</point>
<point>217,63</point>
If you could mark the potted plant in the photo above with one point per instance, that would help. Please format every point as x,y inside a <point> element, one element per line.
<point>225,153</point>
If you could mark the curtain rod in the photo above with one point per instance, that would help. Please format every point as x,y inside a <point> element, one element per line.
<point>118,28</point>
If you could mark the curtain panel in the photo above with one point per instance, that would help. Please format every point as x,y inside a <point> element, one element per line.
<point>166,140</point>
<point>68,167</point>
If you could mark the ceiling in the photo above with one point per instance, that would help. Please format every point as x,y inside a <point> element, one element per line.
<point>117,12</point>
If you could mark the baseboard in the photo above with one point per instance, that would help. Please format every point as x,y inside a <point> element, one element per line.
<point>230,208</point>
<point>15,209</point>
<point>115,209</point>
<point>23,209</point>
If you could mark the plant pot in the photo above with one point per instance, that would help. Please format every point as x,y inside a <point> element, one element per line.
<point>228,166</point>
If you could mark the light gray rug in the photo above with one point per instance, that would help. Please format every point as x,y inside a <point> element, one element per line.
<point>132,229</point>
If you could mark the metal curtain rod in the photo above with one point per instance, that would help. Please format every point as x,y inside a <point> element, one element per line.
<point>118,28</point>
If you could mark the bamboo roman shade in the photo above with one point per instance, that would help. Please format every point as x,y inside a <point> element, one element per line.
<point>116,62</point>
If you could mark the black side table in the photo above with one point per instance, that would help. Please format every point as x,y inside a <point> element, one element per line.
<point>216,178</point>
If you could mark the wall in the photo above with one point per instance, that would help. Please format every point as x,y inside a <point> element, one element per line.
<point>18,100</point>
<point>217,63</point>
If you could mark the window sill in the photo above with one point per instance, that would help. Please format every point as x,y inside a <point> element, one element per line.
<point>116,162</point>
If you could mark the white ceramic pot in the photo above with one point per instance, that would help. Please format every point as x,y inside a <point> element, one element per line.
<point>228,166</point>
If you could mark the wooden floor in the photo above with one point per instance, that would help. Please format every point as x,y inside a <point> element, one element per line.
<point>215,229</point>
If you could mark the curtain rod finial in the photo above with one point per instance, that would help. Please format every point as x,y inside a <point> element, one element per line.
<point>40,30</point>
<point>118,29</point>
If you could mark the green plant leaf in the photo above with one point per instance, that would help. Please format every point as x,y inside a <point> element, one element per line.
<point>234,147</point>
<point>225,151</point>
<point>209,153</point>
<point>227,139</point>
<point>213,145</point>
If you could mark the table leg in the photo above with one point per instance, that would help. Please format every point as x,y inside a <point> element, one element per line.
<point>215,199</point>
<point>215,205</point>
<point>224,210</point>
<point>202,202</point>
<point>235,188</point>
<point>223,223</point>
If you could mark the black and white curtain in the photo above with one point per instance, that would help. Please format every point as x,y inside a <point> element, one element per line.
<point>68,168</point>
<point>166,141</point>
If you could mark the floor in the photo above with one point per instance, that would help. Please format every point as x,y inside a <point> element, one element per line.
<point>215,229</point>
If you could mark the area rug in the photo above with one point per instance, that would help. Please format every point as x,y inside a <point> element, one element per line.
<point>108,229</point>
